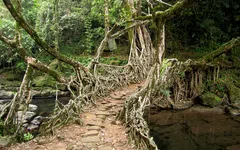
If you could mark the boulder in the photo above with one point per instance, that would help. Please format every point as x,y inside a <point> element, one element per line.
<point>233,111</point>
<point>32,107</point>
<point>210,99</point>
<point>183,104</point>
<point>234,95</point>
<point>37,120</point>
<point>7,140</point>
<point>6,94</point>
<point>32,127</point>
<point>27,116</point>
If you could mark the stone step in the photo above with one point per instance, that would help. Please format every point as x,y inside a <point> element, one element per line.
<point>102,109</point>
<point>91,146</point>
<point>94,128</point>
<point>96,124</point>
<point>90,133</point>
<point>101,116</point>
<point>102,113</point>
<point>91,139</point>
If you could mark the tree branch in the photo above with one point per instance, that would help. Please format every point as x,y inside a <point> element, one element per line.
<point>226,47</point>
<point>167,14</point>
<point>160,1</point>
<point>7,41</point>
<point>33,61</point>
<point>171,11</point>
<point>120,33</point>
<point>19,18</point>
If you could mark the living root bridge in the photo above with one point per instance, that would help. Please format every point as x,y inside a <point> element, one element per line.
<point>101,80</point>
<point>88,83</point>
<point>172,85</point>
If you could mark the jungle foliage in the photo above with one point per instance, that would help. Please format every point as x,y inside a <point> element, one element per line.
<point>200,28</point>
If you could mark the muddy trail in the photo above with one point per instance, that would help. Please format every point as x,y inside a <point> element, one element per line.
<point>99,132</point>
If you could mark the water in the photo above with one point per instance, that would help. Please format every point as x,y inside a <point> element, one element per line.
<point>197,128</point>
<point>45,105</point>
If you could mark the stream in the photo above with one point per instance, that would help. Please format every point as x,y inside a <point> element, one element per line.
<point>196,128</point>
<point>45,105</point>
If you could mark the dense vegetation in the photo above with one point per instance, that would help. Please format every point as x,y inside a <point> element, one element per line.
<point>200,28</point>
<point>54,41</point>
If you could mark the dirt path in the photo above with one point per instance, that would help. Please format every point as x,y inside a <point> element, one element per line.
<point>99,132</point>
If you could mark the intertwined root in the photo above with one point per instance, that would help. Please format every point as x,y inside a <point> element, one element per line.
<point>172,82</point>
<point>102,79</point>
<point>19,103</point>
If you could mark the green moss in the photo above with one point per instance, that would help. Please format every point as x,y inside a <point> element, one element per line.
<point>210,99</point>
<point>234,94</point>
<point>44,81</point>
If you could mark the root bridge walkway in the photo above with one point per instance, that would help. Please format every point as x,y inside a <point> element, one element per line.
<point>99,132</point>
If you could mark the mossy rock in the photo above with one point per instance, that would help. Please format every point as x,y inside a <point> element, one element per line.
<point>234,95</point>
<point>210,99</point>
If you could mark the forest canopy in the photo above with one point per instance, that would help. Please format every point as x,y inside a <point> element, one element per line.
<point>202,27</point>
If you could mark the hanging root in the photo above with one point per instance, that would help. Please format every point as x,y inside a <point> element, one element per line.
<point>19,103</point>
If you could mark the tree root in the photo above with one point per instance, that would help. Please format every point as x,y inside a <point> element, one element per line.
<point>173,82</point>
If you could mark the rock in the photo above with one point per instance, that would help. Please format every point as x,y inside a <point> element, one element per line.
<point>183,105</point>
<point>102,113</point>
<point>106,148</point>
<point>102,109</point>
<point>90,133</point>
<point>210,99</point>
<point>32,107</point>
<point>7,140</point>
<point>28,115</point>
<point>32,127</point>
<point>25,125</point>
<point>37,120</point>
<point>63,93</point>
<point>96,124</point>
<point>93,139</point>
<point>91,146</point>
<point>72,146</point>
<point>234,111</point>
<point>101,116</point>
<point>42,141</point>
<point>6,94</point>
<point>116,122</point>
<point>60,137</point>
<point>234,95</point>
<point>94,128</point>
